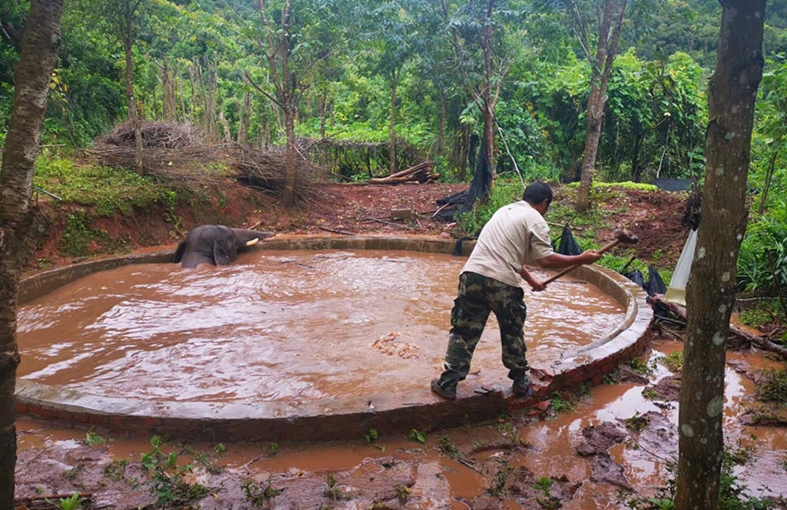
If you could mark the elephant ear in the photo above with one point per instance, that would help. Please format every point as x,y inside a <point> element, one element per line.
<point>180,251</point>
<point>224,253</point>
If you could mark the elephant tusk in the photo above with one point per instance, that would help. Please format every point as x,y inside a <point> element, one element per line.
<point>253,241</point>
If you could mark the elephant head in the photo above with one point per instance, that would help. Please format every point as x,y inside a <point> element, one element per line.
<point>215,244</point>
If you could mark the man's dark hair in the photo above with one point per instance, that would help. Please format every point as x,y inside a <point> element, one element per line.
<point>537,192</point>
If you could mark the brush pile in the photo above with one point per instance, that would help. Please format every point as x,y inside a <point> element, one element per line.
<point>266,169</point>
<point>175,153</point>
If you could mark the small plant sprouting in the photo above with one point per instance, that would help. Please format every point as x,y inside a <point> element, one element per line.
<point>637,422</point>
<point>71,503</point>
<point>673,362</point>
<point>371,436</point>
<point>650,394</point>
<point>333,491</point>
<point>549,502</point>
<point>403,492</point>
<point>116,469</point>
<point>257,495</point>
<point>92,439</point>
<point>417,435</point>
<point>613,377</point>
<point>448,447</point>
<point>561,405</point>
<point>639,366</point>
<point>168,484</point>
<point>499,484</point>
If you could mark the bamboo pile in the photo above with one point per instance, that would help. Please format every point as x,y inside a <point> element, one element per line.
<point>421,173</point>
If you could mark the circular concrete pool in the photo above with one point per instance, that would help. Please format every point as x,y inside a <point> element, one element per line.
<point>355,328</point>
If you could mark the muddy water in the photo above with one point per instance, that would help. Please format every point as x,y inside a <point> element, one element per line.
<point>545,447</point>
<point>290,326</point>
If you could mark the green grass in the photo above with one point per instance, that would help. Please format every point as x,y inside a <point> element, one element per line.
<point>107,190</point>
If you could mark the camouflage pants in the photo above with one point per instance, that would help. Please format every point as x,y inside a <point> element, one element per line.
<point>477,297</point>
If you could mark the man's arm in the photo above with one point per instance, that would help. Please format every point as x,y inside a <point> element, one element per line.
<point>526,275</point>
<point>558,261</point>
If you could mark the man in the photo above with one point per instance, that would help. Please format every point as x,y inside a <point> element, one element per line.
<point>517,234</point>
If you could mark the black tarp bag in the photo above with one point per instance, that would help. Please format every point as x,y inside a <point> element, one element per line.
<point>568,245</point>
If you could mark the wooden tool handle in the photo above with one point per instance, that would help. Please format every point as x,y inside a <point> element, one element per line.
<point>567,270</point>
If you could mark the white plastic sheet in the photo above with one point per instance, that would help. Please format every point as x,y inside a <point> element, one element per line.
<point>676,290</point>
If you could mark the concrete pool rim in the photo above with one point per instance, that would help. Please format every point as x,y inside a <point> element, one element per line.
<point>330,420</point>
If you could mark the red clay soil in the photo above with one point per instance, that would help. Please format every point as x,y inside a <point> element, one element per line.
<point>337,209</point>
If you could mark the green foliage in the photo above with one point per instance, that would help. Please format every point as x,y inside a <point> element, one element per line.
<point>71,503</point>
<point>637,423</point>
<point>168,484</point>
<point>503,192</point>
<point>116,469</point>
<point>371,436</point>
<point>560,404</point>
<point>640,367</point>
<point>257,495</point>
<point>108,190</point>
<point>334,492</point>
<point>402,492</point>
<point>77,235</point>
<point>773,386</point>
<point>760,313</point>
<point>762,262</point>
<point>673,362</point>
<point>447,446</point>
<point>92,439</point>
<point>417,435</point>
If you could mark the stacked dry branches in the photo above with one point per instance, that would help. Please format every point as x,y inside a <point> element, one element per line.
<point>172,152</point>
<point>267,170</point>
<point>175,153</point>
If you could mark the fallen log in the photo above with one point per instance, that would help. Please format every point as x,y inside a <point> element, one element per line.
<point>421,173</point>
<point>761,342</point>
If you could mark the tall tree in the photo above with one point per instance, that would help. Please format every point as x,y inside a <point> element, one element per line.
<point>710,292</point>
<point>21,228</point>
<point>601,69</point>
<point>477,29</point>
<point>121,20</point>
<point>397,39</point>
<point>125,19</point>
<point>295,40</point>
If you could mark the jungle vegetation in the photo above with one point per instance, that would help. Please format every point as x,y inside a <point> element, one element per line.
<point>391,83</point>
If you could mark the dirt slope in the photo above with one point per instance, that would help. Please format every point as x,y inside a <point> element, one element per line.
<point>337,209</point>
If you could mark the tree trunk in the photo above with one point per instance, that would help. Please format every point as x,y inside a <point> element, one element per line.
<point>290,168</point>
<point>441,129</point>
<point>20,229</point>
<point>323,122</point>
<point>710,292</point>
<point>392,128</point>
<point>243,122</point>
<point>636,171</point>
<point>133,115</point>
<point>168,103</point>
<point>210,101</point>
<point>489,136</point>
<point>609,34</point>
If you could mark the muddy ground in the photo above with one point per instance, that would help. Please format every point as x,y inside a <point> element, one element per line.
<point>610,447</point>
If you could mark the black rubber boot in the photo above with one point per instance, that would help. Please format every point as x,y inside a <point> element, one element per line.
<point>447,392</point>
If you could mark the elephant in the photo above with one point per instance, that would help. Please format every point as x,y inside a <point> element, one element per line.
<point>215,244</point>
